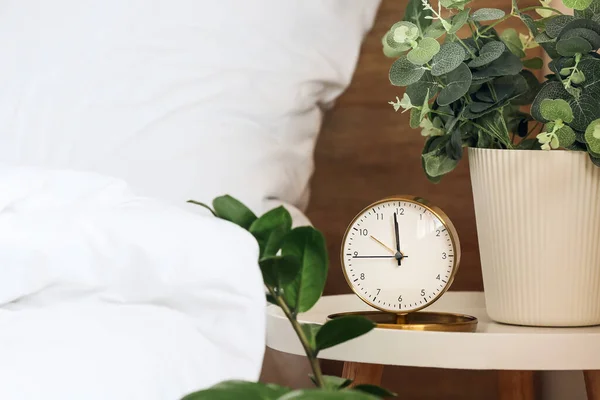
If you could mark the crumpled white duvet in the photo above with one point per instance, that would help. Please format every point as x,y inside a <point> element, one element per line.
<point>104,295</point>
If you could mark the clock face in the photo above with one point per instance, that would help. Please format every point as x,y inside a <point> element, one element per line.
<point>399,256</point>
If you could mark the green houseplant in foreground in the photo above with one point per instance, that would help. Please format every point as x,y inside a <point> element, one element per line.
<point>534,147</point>
<point>294,266</point>
<point>467,81</point>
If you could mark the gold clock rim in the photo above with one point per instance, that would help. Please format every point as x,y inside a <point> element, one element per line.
<point>446,222</point>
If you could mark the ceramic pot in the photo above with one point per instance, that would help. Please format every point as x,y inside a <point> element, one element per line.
<point>538,227</point>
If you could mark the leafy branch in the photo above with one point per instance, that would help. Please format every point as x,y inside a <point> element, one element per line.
<point>293,263</point>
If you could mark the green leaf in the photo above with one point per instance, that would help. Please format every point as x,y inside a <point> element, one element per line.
<point>533,87</point>
<point>418,90</point>
<point>566,136</point>
<point>230,209</point>
<point>342,329</point>
<point>415,118</point>
<point>533,63</point>
<point>511,39</point>
<point>592,37</point>
<point>459,20</point>
<point>417,14</point>
<point>558,109</point>
<point>590,12</point>
<point>308,245</point>
<point>424,52</point>
<point>577,4</point>
<point>451,55</point>
<point>556,24</point>
<point>233,390</point>
<point>311,330</point>
<point>270,229</point>
<point>437,164</point>
<point>403,72</point>
<point>391,48</point>
<point>332,382</point>
<point>374,390</point>
<point>435,30</point>
<point>490,51</point>
<point>507,64</point>
<point>487,14</point>
<point>316,394</point>
<point>580,23</point>
<point>458,82</point>
<point>544,38</point>
<point>570,47</point>
<point>592,136</point>
<point>454,145</point>
<point>404,32</point>
<point>279,270</point>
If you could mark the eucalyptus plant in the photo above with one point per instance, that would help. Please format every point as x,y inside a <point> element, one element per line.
<point>468,84</point>
<point>294,265</point>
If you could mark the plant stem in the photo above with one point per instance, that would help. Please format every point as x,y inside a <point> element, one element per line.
<point>474,33</point>
<point>314,362</point>
<point>541,8</point>
<point>513,14</point>
<point>465,46</point>
<point>487,28</point>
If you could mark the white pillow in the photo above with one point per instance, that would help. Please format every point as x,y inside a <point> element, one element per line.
<point>181,98</point>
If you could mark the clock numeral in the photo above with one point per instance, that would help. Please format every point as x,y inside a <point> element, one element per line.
<point>379,216</point>
<point>378,290</point>
<point>400,211</point>
<point>363,232</point>
<point>423,292</point>
<point>444,256</point>
<point>438,232</point>
<point>400,299</point>
<point>362,277</point>
<point>438,277</point>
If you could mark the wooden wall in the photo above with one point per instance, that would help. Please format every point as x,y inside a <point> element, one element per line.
<point>367,151</point>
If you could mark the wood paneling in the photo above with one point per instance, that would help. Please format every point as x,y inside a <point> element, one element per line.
<point>366,151</point>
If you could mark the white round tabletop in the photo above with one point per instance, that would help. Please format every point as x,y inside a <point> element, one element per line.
<point>492,346</point>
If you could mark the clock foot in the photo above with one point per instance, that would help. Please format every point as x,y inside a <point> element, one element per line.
<point>362,373</point>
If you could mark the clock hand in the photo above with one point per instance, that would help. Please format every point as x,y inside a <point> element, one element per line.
<point>373,256</point>
<point>398,253</point>
<point>381,243</point>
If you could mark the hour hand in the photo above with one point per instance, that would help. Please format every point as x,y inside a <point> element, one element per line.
<point>381,243</point>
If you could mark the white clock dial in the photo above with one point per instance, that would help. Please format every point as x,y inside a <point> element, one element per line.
<point>404,272</point>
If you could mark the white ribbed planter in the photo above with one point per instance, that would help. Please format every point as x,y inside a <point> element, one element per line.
<point>538,226</point>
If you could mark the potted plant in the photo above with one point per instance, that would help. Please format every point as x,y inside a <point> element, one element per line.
<point>533,147</point>
<point>294,266</point>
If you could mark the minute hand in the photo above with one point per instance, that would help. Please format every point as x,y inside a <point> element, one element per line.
<point>397,239</point>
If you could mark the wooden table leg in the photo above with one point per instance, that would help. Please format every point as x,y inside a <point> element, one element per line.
<point>363,373</point>
<point>516,385</point>
<point>592,384</point>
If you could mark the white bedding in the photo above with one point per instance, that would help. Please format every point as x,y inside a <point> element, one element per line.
<point>105,295</point>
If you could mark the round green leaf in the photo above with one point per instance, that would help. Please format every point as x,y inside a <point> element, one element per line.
<point>403,72</point>
<point>342,329</point>
<point>533,63</point>
<point>424,52</point>
<point>437,164</point>
<point>490,51</point>
<point>507,64</point>
<point>279,270</point>
<point>511,39</point>
<point>592,136</point>
<point>308,245</point>
<point>392,49</point>
<point>583,33</point>
<point>577,4</point>
<point>450,56</point>
<point>459,20</point>
<point>230,390</point>
<point>418,90</point>
<point>557,109</point>
<point>570,47</point>
<point>556,24</point>
<point>230,209</point>
<point>404,32</point>
<point>458,83</point>
<point>415,118</point>
<point>566,136</point>
<point>487,14</point>
<point>435,30</point>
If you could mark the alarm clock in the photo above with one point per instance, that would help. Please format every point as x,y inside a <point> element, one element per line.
<point>399,255</point>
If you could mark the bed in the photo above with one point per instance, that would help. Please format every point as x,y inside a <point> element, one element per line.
<point>112,115</point>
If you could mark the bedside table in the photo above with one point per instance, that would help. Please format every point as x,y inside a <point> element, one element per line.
<point>514,350</point>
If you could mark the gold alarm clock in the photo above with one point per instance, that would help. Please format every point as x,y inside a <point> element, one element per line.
<point>399,255</point>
